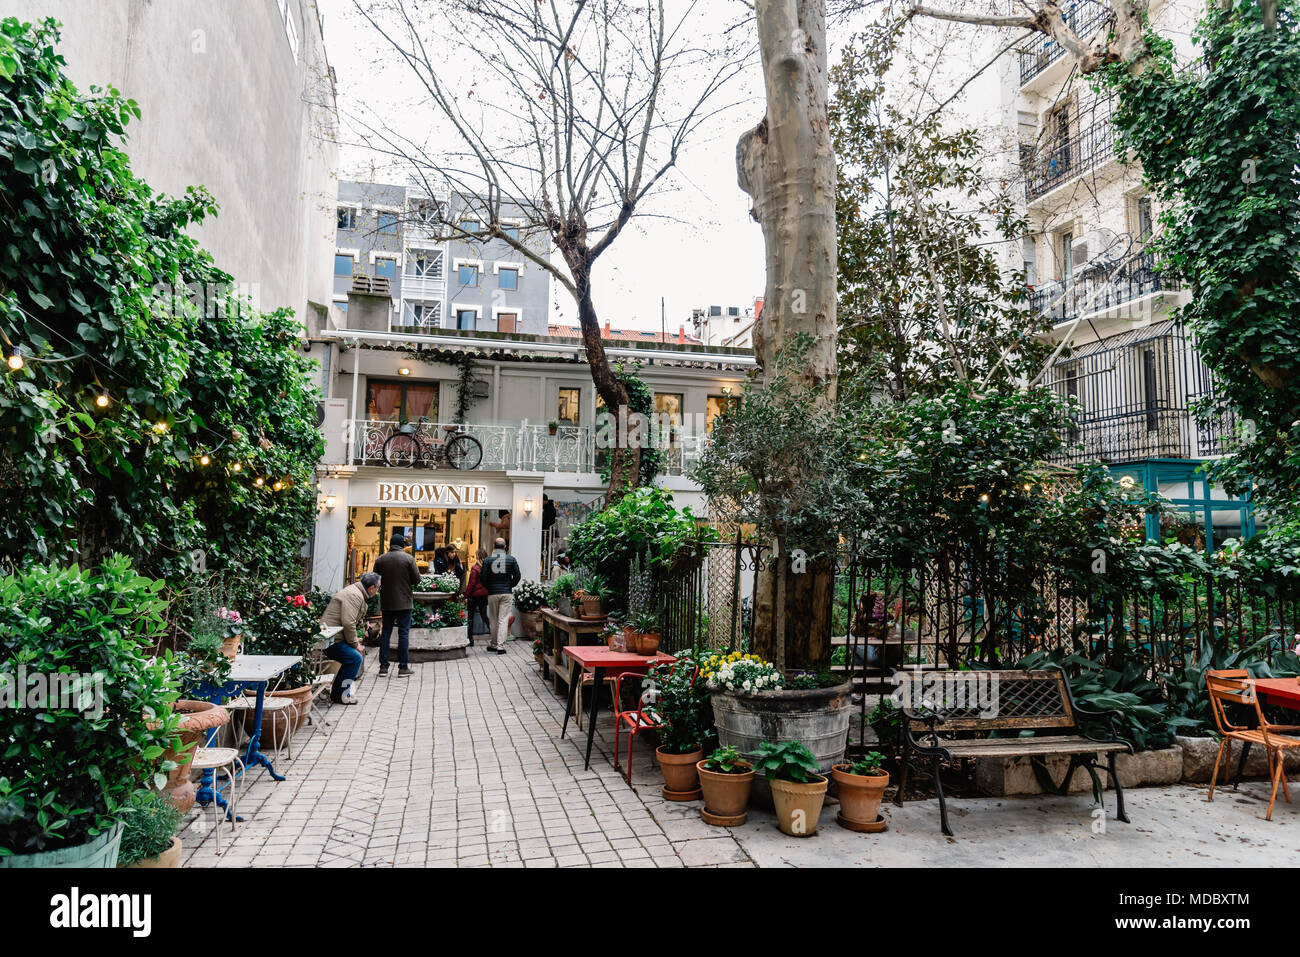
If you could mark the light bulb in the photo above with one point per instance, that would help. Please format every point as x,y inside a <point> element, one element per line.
<point>259,481</point>
<point>204,460</point>
<point>236,467</point>
<point>160,427</point>
<point>16,362</point>
<point>101,400</point>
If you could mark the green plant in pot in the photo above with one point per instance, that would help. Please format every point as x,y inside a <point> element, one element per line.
<point>560,594</point>
<point>150,823</point>
<point>860,787</point>
<point>642,633</point>
<point>589,597</point>
<point>725,781</point>
<point>681,707</point>
<point>72,762</point>
<point>798,788</point>
<point>286,624</point>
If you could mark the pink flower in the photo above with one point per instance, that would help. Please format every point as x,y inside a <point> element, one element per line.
<point>230,615</point>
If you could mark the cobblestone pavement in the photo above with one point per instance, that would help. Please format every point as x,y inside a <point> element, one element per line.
<point>459,765</point>
<point>462,765</point>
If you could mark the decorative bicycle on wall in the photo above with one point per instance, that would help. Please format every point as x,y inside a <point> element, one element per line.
<point>457,450</point>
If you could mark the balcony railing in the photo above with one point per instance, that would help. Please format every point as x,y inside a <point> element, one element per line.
<point>429,288</point>
<point>1085,18</point>
<point>1095,289</point>
<point>1059,160</point>
<point>524,446</point>
<point>1134,393</point>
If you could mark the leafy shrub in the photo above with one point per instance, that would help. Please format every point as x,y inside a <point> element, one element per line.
<point>787,761</point>
<point>149,822</point>
<point>446,582</point>
<point>642,522</point>
<point>683,706</point>
<point>66,772</point>
<point>563,587</point>
<point>286,624</point>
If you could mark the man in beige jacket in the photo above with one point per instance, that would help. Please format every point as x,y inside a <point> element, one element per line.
<point>347,609</point>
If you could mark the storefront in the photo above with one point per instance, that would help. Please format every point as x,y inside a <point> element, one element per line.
<point>361,508</point>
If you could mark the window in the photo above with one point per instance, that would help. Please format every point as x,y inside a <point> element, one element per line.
<point>1145,221</point>
<point>342,264</point>
<point>511,231</point>
<point>570,401</point>
<point>387,223</point>
<point>347,217</point>
<point>466,318</point>
<point>1031,261</point>
<point>1067,257</point>
<point>508,278</point>
<point>507,322</point>
<point>424,263</point>
<point>1150,389</point>
<point>668,416</point>
<point>401,401</point>
<point>470,226</point>
<point>386,267</point>
<point>467,275</point>
<point>717,404</point>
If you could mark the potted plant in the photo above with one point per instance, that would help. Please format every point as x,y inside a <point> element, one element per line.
<point>537,650</point>
<point>553,426</point>
<point>288,623</point>
<point>615,634</point>
<point>588,598</point>
<point>232,624</point>
<point>860,786</point>
<point>725,780</point>
<point>530,599</point>
<point>560,595</point>
<point>87,745</point>
<point>681,708</point>
<point>642,633</point>
<point>798,790</point>
<point>149,826</point>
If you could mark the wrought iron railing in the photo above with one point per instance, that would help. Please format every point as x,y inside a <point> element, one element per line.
<point>1058,160</point>
<point>1099,287</point>
<point>1085,18</point>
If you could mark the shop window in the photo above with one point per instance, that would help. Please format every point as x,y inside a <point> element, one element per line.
<point>402,401</point>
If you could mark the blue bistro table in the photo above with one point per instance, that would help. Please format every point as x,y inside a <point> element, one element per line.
<point>246,671</point>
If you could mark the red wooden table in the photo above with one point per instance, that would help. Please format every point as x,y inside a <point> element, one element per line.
<point>602,661</point>
<point>1284,692</point>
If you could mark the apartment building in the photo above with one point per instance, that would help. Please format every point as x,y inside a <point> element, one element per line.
<point>727,325</point>
<point>395,239</point>
<point>1088,256</point>
<point>236,97</point>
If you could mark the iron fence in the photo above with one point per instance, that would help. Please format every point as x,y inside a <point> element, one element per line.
<point>1086,18</point>
<point>1063,158</point>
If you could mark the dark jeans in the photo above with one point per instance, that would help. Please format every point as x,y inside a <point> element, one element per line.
<point>402,619</point>
<point>475,606</point>
<point>350,659</point>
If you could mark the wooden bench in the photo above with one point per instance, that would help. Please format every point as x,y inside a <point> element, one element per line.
<point>951,715</point>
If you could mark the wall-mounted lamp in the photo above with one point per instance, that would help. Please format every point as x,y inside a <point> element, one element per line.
<point>528,505</point>
<point>330,502</point>
<point>403,371</point>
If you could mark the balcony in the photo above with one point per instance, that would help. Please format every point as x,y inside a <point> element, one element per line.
<point>1133,395</point>
<point>1096,290</point>
<point>1061,160</point>
<point>524,446</point>
<point>427,288</point>
<point>1086,18</point>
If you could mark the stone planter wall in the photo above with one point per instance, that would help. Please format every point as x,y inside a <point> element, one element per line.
<point>1189,759</point>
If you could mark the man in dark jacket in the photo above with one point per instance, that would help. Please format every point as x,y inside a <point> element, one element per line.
<point>500,575</point>
<point>400,575</point>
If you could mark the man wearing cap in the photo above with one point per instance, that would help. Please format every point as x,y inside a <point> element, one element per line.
<point>400,575</point>
<point>346,610</point>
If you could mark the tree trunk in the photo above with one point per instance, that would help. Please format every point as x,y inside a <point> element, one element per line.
<point>625,460</point>
<point>787,166</point>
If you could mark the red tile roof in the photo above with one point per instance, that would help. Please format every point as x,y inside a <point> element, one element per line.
<point>629,335</point>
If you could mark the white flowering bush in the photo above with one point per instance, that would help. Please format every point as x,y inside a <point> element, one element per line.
<point>743,674</point>
<point>529,596</point>
<point>445,582</point>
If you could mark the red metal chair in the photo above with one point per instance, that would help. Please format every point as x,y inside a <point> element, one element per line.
<point>636,720</point>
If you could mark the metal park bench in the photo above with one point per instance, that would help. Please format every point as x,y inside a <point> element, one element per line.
<point>980,714</point>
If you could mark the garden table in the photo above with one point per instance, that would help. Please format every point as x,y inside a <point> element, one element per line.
<point>602,661</point>
<point>1283,692</point>
<point>247,671</point>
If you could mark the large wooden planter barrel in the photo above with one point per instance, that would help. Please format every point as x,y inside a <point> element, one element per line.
<point>818,718</point>
<point>99,851</point>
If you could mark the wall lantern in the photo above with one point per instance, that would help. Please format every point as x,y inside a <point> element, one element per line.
<point>528,505</point>
<point>403,371</point>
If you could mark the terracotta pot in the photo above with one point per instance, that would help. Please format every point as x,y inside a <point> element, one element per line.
<point>168,858</point>
<point>725,795</point>
<point>679,769</point>
<point>531,624</point>
<point>798,805</point>
<point>199,717</point>
<point>230,646</point>
<point>859,794</point>
<point>644,643</point>
<point>301,698</point>
<point>590,608</point>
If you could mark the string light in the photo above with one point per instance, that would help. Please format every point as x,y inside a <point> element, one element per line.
<point>16,361</point>
<point>984,498</point>
<point>204,460</point>
<point>236,467</point>
<point>277,486</point>
<point>160,426</point>
<point>101,400</point>
<point>258,482</point>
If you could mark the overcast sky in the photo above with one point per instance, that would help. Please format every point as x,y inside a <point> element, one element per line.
<point>700,247</point>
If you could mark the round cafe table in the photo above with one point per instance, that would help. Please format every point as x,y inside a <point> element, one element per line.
<point>1282,692</point>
